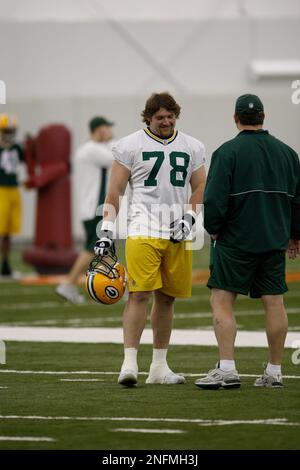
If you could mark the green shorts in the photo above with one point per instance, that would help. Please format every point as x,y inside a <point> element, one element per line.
<point>91,237</point>
<point>246,273</point>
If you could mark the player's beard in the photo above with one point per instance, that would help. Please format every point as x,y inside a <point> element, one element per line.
<point>166,132</point>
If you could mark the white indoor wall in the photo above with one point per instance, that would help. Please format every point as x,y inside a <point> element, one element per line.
<point>67,72</point>
<point>58,60</point>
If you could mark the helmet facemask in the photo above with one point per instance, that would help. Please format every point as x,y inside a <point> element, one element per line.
<point>105,265</point>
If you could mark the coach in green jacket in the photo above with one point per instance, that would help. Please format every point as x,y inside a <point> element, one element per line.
<point>252,212</point>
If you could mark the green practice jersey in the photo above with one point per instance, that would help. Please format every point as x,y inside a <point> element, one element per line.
<point>252,196</point>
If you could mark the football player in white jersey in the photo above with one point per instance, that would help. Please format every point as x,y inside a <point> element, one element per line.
<point>160,164</point>
<point>92,163</point>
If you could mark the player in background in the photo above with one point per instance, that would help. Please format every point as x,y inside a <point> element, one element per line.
<point>92,162</point>
<point>11,155</point>
<point>252,211</point>
<point>160,164</point>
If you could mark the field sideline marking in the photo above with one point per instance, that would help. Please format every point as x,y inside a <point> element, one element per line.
<point>201,422</point>
<point>270,422</point>
<point>154,431</point>
<point>27,291</point>
<point>81,380</point>
<point>88,372</point>
<point>117,317</point>
<point>115,336</point>
<point>26,438</point>
<point>38,292</point>
<point>28,305</point>
<point>55,304</point>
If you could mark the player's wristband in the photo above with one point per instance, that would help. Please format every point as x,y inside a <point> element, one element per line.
<point>107,225</point>
<point>190,217</point>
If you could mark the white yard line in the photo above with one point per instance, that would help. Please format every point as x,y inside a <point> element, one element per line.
<point>59,372</point>
<point>246,375</point>
<point>25,438</point>
<point>199,421</point>
<point>68,322</point>
<point>89,372</point>
<point>116,318</point>
<point>149,431</point>
<point>237,313</point>
<point>115,336</point>
<point>270,422</point>
<point>99,322</point>
<point>3,388</point>
<point>44,305</point>
<point>31,291</point>
<point>81,380</point>
<point>33,305</point>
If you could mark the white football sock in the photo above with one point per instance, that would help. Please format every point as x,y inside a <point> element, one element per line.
<point>227,365</point>
<point>130,359</point>
<point>159,357</point>
<point>273,369</point>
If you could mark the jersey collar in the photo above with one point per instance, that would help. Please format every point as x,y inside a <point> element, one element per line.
<point>158,139</point>
<point>253,131</point>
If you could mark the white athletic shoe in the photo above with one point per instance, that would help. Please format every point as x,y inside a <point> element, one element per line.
<point>269,381</point>
<point>70,293</point>
<point>16,275</point>
<point>217,378</point>
<point>164,376</point>
<point>128,377</point>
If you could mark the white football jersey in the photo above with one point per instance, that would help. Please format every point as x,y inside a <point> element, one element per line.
<point>92,163</point>
<point>161,170</point>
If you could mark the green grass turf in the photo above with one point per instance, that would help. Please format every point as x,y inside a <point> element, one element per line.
<point>40,306</point>
<point>46,395</point>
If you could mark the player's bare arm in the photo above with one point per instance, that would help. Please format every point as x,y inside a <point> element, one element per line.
<point>198,180</point>
<point>293,248</point>
<point>117,185</point>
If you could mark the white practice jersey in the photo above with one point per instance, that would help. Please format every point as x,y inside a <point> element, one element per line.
<point>92,163</point>
<point>161,170</point>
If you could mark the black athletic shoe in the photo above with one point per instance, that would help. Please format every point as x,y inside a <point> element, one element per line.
<point>5,268</point>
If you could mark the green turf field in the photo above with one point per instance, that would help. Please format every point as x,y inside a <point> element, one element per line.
<point>88,408</point>
<point>98,414</point>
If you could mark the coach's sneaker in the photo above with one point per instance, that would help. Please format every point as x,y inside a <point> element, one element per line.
<point>269,381</point>
<point>70,293</point>
<point>217,378</point>
<point>128,377</point>
<point>164,376</point>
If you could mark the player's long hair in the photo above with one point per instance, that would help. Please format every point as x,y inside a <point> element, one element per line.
<point>157,101</point>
